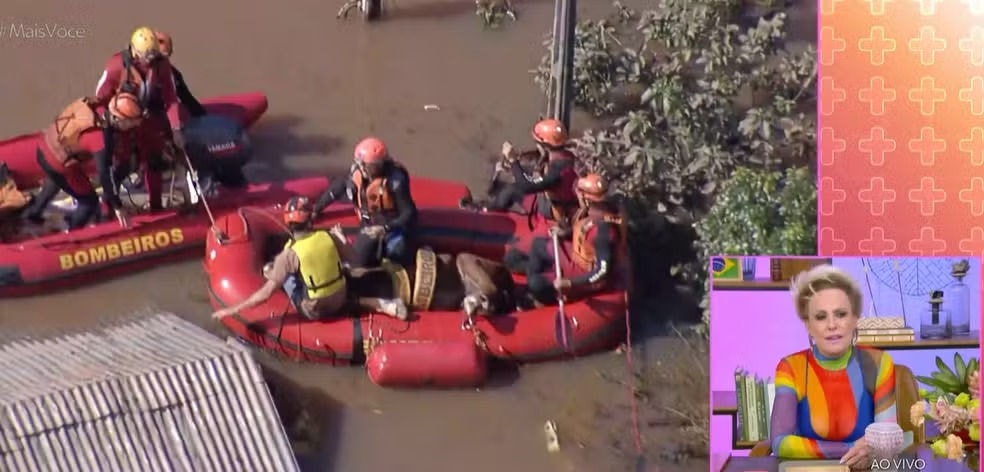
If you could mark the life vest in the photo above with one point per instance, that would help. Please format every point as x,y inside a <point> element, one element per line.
<point>62,138</point>
<point>563,200</point>
<point>585,230</point>
<point>145,88</point>
<point>321,264</point>
<point>373,198</point>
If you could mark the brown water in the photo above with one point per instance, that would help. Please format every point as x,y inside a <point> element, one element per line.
<point>330,83</point>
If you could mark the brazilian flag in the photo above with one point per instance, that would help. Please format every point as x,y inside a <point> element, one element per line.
<point>726,268</point>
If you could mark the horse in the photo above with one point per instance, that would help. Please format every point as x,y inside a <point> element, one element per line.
<point>440,282</point>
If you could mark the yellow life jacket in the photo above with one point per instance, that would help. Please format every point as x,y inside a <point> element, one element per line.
<point>321,265</point>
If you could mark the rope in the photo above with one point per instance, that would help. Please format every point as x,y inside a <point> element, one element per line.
<point>633,402</point>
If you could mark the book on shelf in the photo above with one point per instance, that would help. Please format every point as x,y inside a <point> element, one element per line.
<point>886,331</point>
<point>886,335</point>
<point>881,322</point>
<point>886,338</point>
<point>741,404</point>
<point>754,397</point>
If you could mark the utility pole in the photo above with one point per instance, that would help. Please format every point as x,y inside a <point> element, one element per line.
<point>561,91</point>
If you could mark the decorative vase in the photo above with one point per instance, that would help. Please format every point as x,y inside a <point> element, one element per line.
<point>972,450</point>
<point>934,322</point>
<point>886,440</point>
<point>958,299</point>
<point>748,269</point>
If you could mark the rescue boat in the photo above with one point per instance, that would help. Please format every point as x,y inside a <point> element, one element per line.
<point>34,261</point>
<point>432,348</point>
<point>20,152</point>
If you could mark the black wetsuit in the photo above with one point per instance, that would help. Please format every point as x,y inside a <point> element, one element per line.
<point>397,243</point>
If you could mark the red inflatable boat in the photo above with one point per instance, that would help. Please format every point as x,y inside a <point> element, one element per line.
<point>20,153</point>
<point>38,263</point>
<point>432,348</point>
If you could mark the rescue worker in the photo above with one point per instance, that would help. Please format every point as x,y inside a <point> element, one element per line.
<point>597,240</point>
<point>557,201</point>
<point>75,136</point>
<point>142,70</point>
<point>379,187</point>
<point>311,269</point>
<point>191,104</point>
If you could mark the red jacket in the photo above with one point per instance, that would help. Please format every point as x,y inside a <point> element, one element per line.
<point>153,84</point>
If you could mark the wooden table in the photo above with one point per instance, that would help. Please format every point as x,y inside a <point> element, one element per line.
<point>922,451</point>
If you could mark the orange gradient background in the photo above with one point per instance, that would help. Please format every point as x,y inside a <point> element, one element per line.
<point>901,160</point>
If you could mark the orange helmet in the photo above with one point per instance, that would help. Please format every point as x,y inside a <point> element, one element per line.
<point>592,187</point>
<point>165,42</point>
<point>298,210</point>
<point>125,106</point>
<point>551,132</point>
<point>371,151</point>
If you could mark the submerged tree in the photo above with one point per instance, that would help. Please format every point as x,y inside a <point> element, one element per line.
<point>690,92</point>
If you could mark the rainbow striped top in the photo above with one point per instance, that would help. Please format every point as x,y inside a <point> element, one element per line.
<point>822,405</point>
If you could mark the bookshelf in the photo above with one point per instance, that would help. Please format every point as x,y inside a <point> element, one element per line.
<point>782,270</point>
<point>725,403</point>
<point>751,285</point>
<point>957,342</point>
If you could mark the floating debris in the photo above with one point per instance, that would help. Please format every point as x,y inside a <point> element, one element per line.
<point>432,107</point>
<point>550,431</point>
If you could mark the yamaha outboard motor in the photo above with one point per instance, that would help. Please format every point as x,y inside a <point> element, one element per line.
<point>218,148</point>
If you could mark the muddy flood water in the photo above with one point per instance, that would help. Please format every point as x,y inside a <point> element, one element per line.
<point>330,83</point>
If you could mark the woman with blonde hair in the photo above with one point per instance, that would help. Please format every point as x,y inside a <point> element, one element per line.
<point>828,394</point>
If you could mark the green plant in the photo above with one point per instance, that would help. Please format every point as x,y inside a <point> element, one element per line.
<point>949,382</point>
<point>762,212</point>
<point>954,405</point>
<point>690,97</point>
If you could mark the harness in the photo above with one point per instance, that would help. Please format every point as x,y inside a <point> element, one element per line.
<point>140,88</point>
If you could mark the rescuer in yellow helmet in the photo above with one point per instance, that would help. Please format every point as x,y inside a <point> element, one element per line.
<point>311,269</point>
<point>141,69</point>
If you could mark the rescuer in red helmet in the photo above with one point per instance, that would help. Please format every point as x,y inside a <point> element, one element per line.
<point>379,187</point>
<point>311,269</point>
<point>189,101</point>
<point>598,242</point>
<point>555,183</point>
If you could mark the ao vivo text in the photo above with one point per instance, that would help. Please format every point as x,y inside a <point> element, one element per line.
<point>900,464</point>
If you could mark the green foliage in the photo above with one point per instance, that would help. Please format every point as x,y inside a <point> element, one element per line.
<point>949,382</point>
<point>762,212</point>
<point>691,98</point>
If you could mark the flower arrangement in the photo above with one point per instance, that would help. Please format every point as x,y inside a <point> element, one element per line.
<point>954,405</point>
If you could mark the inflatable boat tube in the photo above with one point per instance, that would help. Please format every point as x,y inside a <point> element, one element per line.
<point>235,271</point>
<point>20,152</point>
<point>444,364</point>
<point>33,264</point>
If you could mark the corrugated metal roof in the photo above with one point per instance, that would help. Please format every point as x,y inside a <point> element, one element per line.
<point>153,394</point>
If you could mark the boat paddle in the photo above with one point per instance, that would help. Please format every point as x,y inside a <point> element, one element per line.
<point>561,315</point>
<point>197,188</point>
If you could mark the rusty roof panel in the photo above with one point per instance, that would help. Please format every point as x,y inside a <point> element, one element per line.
<point>153,394</point>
